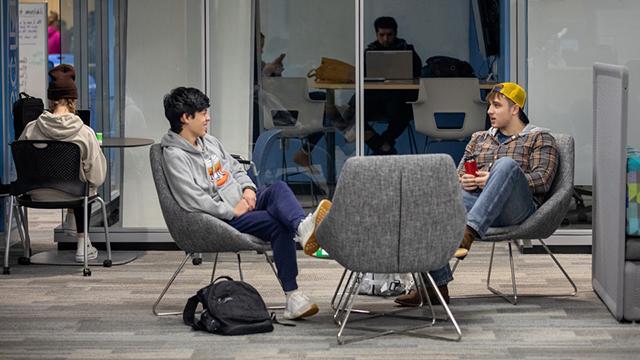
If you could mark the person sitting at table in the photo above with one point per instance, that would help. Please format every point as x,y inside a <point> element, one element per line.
<point>390,105</point>
<point>62,124</point>
<point>205,178</point>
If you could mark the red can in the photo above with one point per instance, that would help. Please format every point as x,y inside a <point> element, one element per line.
<point>471,167</point>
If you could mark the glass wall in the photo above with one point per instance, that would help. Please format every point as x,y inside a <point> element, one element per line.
<point>564,39</point>
<point>408,92</point>
<point>304,112</point>
<point>164,51</point>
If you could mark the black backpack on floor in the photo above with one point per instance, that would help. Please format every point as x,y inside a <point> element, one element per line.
<point>229,308</point>
<point>26,109</point>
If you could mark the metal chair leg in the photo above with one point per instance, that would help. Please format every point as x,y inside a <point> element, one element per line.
<point>6,270</point>
<point>22,231</point>
<point>345,309</point>
<point>25,223</point>
<point>275,272</point>
<point>164,291</point>
<point>240,267</point>
<point>106,230</point>
<point>85,213</point>
<point>334,306</point>
<point>445,306</point>
<point>213,272</point>
<point>546,248</point>
<point>348,304</point>
<point>513,298</point>
<point>419,284</point>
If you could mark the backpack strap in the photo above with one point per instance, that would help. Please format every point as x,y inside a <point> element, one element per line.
<point>222,277</point>
<point>189,312</point>
<point>276,321</point>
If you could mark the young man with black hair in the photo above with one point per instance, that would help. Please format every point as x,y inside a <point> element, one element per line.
<point>388,105</point>
<point>516,163</point>
<point>204,177</point>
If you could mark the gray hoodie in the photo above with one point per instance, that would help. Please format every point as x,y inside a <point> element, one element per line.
<point>69,127</point>
<point>207,179</point>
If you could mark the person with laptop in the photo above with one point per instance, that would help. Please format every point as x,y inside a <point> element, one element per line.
<point>388,105</point>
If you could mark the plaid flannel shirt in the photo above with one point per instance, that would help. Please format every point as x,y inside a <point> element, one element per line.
<point>535,151</point>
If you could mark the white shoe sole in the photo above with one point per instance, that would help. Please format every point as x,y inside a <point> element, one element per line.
<point>310,311</point>
<point>92,255</point>
<point>311,246</point>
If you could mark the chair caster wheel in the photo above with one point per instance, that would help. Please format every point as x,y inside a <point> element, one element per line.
<point>22,260</point>
<point>86,272</point>
<point>107,263</point>
<point>6,271</point>
<point>196,261</point>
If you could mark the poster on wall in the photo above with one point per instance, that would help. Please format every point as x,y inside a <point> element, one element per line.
<point>33,48</point>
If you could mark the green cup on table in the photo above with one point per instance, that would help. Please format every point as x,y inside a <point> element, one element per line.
<point>99,137</point>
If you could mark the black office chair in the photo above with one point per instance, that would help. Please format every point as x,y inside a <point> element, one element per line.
<point>53,165</point>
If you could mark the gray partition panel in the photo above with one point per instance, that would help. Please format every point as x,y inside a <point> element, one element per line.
<point>610,83</point>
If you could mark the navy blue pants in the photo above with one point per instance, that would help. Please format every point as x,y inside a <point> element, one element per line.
<point>275,219</point>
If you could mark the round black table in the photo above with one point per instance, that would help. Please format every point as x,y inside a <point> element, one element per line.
<point>120,142</point>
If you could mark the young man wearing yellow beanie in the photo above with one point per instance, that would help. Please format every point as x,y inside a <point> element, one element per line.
<point>516,165</point>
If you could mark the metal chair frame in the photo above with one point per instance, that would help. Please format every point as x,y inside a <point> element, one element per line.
<point>344,308</point>
<point>513,297</point>
<point>17,203</point>
<point>269,259</point>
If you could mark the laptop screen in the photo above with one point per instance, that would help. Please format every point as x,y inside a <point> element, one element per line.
<point>389,65</point>
<point>85,115</point>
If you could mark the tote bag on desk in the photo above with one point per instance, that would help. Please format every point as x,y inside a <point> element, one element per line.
<point>333,71</point>
<point>633,200</point>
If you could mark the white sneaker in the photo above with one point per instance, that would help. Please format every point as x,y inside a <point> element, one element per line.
<point>306,234</point>
<point>299,306</point>
<point>69,224</point>
<point>92,252</point>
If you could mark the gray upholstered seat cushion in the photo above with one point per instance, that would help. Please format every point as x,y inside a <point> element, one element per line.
<point>548,217</point>
<point>394,214</point>
<point>197,232</point>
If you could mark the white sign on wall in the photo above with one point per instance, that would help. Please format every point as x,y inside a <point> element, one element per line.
<point>33,49</point>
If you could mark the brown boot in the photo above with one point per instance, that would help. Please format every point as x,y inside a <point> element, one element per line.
<point>413,300</point>
<point>465,245</point>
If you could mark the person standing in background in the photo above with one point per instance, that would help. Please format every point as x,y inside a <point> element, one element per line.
<point>53,31</point>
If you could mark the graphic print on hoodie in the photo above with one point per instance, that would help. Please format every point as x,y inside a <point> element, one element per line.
<point>217,175</point>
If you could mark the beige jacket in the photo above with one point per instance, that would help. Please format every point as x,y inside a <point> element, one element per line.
<point>69,127</point>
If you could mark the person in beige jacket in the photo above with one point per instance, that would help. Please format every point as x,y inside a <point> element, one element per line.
<point>62,124</point>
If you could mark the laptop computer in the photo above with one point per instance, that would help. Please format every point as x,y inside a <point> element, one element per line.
<point>85,115</point>
<point>389,65</point>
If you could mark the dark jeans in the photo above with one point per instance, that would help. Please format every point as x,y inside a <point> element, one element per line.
<point>78,213</point>
<point>275,219</point>
<point>390,107</point>
<point>379,105</point>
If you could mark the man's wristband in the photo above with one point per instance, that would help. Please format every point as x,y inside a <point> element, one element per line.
<point>248,187</point>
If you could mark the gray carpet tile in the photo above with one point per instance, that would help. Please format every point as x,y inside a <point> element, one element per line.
<point>52,312</point>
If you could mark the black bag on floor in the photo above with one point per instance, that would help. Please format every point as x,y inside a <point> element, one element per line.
<point>26,109</point>
<point>229,308</point>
